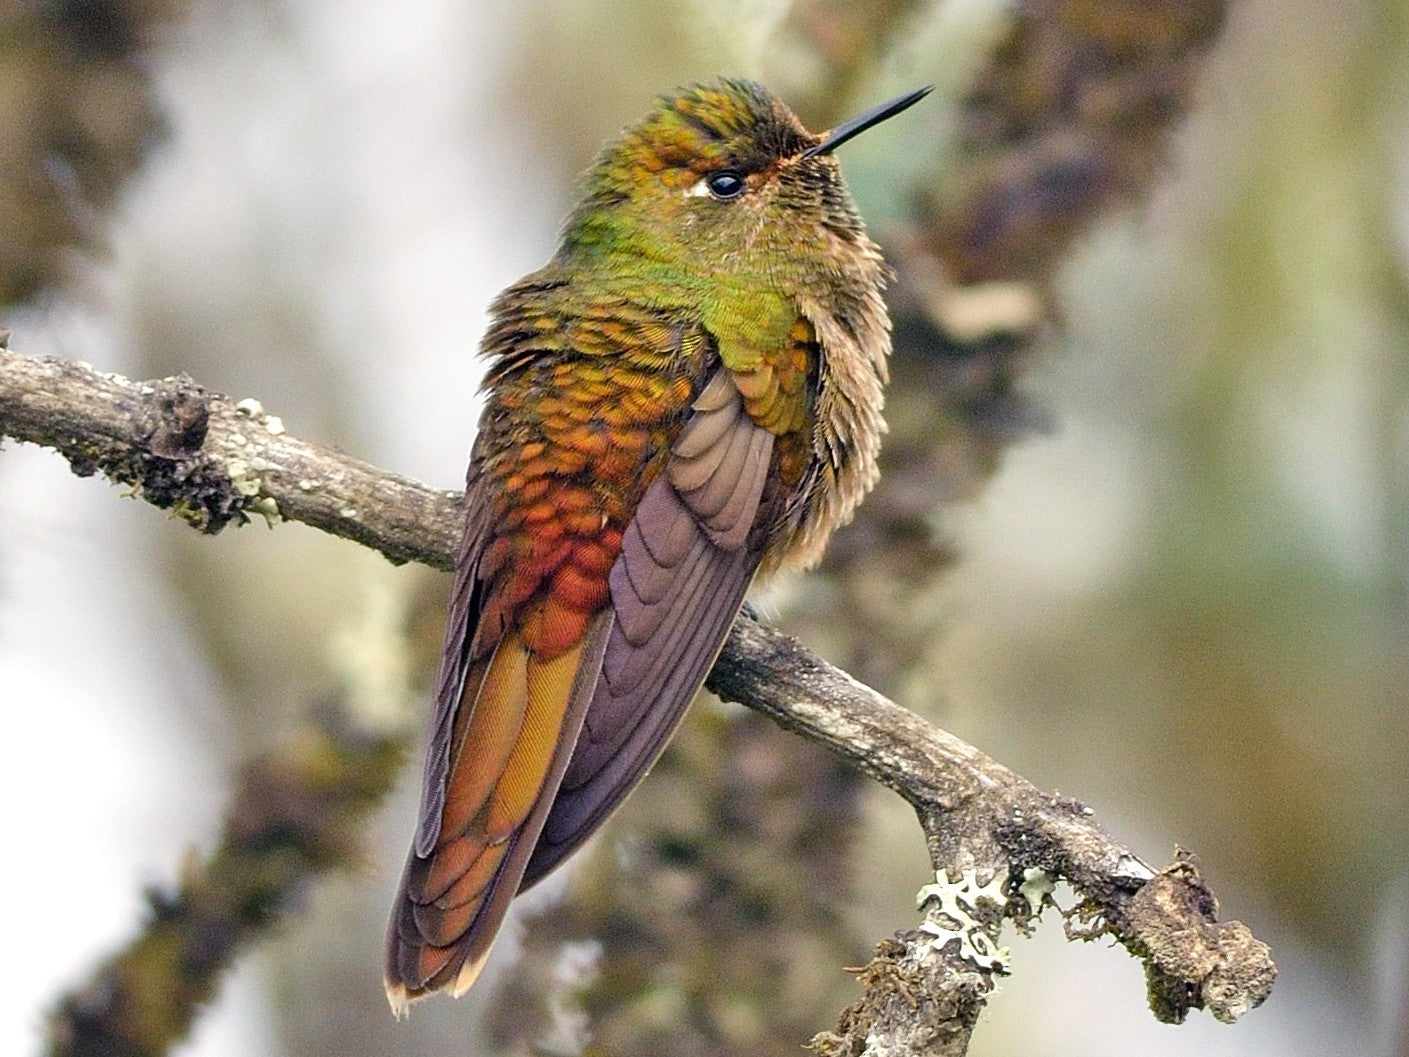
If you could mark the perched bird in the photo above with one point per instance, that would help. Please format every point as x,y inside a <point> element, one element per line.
<point>688,396</point>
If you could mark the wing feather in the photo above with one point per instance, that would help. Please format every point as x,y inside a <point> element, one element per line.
<point>707,482</point>
<point>692,473</point>
<point>580,810</point>
<point>733,502</point>
<point>454,898</point>
<point>703,434</point>
<point>651,577</point>
<point>529,755</point>
<point>455,669</point>
<point>684,567</point>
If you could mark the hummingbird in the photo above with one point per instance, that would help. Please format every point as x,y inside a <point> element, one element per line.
<point>686,398</point>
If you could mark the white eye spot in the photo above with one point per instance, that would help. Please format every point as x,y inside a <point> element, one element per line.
<point>699,190</point>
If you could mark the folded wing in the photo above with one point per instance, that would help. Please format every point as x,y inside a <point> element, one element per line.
<point>530,755</point>
<point>686,561</point>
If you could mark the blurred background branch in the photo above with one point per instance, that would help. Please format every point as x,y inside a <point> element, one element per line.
<point>297,814</point>
<point>77,116</point>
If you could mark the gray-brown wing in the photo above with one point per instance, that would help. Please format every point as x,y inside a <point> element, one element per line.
<point>454,660</point>
<point>686,561</point>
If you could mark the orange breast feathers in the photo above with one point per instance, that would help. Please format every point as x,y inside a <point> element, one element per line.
<point>569,446</point>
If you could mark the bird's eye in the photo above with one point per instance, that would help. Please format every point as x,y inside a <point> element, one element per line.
<point>725,184</point>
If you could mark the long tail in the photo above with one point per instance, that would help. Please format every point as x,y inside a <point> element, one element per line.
<point>518,720</point>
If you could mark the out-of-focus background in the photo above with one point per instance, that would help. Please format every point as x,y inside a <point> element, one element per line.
<point>1179,595</point>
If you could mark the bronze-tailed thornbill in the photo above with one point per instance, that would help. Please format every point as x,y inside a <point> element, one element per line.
<point>687,397</point>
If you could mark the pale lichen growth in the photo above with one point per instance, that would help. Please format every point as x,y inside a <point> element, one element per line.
<point>243,478</point>
<point>1037,888</point>
<point>951,907</point>
<point>1132,867</point>
<point>246,461</point>
<point>253,409</point>
<point>268,506</point>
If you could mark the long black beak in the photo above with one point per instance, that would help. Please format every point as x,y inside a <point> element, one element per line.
<point>859,124</point>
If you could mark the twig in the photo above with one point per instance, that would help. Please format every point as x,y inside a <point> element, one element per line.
<point>213,461</point>
<point>983,822</point>
<point>994,839</point>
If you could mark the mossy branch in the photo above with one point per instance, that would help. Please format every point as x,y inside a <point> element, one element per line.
<point>995,839</point>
